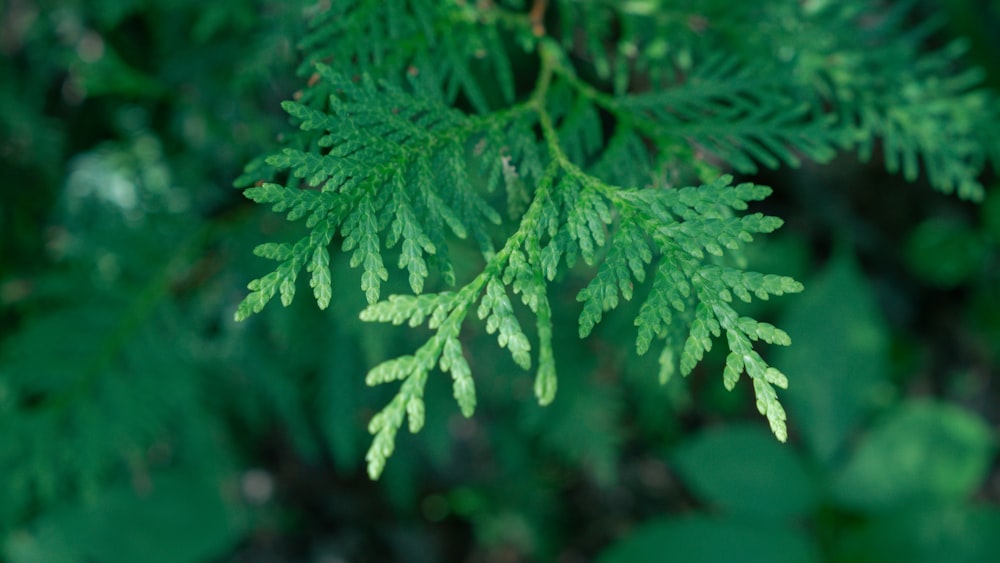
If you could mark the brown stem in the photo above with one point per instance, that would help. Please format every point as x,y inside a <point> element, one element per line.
<point>537,17</point>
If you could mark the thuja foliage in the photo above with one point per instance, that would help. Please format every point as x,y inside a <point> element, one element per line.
<point>612,159</point>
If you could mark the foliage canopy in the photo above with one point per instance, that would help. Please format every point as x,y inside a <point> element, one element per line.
<point>517,188</point>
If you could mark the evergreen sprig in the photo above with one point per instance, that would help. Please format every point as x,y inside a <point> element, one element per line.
<point>615,157</point>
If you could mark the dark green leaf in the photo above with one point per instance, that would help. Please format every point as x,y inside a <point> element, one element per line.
<point>838,358</point>
<point>745,472</point>
<point>922,452</point>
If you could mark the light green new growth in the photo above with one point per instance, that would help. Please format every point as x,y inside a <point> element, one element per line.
<point>616,156</point>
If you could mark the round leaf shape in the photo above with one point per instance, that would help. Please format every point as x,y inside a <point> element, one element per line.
<point>923,452</point>
<point>957,534</point>
<point>744,470</point>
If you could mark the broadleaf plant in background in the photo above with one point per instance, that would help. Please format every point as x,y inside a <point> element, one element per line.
<point>906,487</point>
<point>415,136</point>
<point>140,422</point>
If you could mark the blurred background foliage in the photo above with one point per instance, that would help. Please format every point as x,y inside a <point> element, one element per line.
<point>138,422</point>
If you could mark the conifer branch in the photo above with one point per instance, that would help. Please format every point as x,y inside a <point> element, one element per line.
<point>627,175</point>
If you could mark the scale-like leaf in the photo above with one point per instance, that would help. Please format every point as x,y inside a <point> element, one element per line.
<point>402,145</point>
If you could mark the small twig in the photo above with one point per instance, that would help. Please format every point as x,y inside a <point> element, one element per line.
<point>537,17</point>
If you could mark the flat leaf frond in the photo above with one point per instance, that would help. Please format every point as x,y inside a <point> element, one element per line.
<point>593,169</point>
<point>580,131</point>
<point>308,252</point>
<point>519,260</point>
<point>691,229</point>
<point>742,114</point>
<point>929,116</point>
<point>496,309</point>
<point>439,46</point>
<point>588,217</point>
<point>389,168</point>
<point>627,260</point>
<point>625,160</point>
<point>412,309</point>
<point>669,294</point>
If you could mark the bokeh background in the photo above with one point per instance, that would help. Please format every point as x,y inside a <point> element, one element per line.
<point>138,422</point>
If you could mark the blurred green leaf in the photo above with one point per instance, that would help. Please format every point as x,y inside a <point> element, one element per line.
<point>108,13</point>
<point>339,404</point>
<point>838,359</point>
<point>784,253</point>
<point>944,253</point>
<point>702,539</point>
<point>989,211</point>
<point>109,74</point>
<point>983,312</point>
<point>745,471</point>
<point>953,534</point>
<point>921,452</point>
<point>342,392</point>
<point>182,517</point>
<point>582,427</point>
